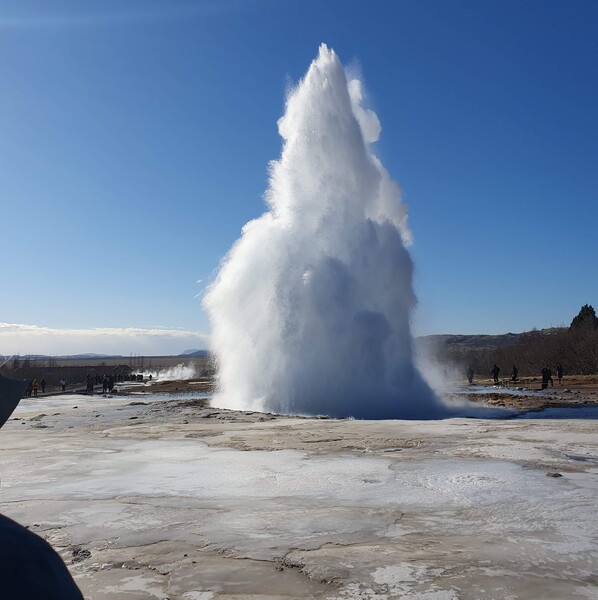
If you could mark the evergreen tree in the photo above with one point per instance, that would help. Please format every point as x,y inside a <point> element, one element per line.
<point>586,319</point>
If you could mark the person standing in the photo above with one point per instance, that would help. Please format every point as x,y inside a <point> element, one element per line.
<point>559,372</point>
<point>35,387</point>
<point>470,374</point>
<point>495,371</point>
<point>43,384</point>
<point>63,384</point>
<point>514,373</point>
<point>546,376</point>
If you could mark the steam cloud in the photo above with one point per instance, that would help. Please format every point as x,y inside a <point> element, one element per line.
<point>311,309</point>
<point>180,372</point>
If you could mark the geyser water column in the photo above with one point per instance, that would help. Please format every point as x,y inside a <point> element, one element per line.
<point>310,311</point>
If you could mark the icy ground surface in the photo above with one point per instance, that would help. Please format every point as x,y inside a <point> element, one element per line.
<point>178,500</point>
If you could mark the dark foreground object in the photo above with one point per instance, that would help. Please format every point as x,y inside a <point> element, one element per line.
<point>11,391</point>
<point>30,569</point>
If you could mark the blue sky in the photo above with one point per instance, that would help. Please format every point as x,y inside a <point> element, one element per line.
<point>135,137</point>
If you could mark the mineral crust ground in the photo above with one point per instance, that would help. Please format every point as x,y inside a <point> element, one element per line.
<point>166,497</point>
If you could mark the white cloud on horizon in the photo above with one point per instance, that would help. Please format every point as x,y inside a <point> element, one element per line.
<point>23,339</point>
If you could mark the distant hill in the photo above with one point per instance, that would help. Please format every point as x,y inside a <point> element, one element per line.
<point>482,341</point>
<point>92,355</point>
<point>575,348</point>
<point>95,356</point>
<point>194,353</point>
<point>469,341</point>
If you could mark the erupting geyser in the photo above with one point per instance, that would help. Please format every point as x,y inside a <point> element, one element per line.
<point>311,309</point>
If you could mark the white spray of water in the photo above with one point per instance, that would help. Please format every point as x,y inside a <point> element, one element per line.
<point>311,309</point>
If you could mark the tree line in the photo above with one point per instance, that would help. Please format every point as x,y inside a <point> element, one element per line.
<point>574,347</point>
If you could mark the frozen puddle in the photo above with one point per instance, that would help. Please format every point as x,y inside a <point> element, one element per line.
<point>193,469</point>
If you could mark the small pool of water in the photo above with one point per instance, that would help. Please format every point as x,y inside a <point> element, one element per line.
<point>481,390</point>
<point>149,397</point>
<point>581,412</point>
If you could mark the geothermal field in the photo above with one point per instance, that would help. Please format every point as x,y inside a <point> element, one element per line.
<point>324,465</point>
<point>162,496</point>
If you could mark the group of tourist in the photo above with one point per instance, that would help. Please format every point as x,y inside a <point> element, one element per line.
<point>107,382</point>
<point>33,387</point>
<point>546,374</point>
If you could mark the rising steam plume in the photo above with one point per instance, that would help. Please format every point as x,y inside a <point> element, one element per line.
<point>310,312</point>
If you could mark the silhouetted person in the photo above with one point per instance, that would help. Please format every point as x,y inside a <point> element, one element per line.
<point>550,376</point>
<point>29,388</point>
<point>546,377</point>
<point>514,373</point>
<point>495,371</point>
<point>470,374</point>
<point>43,384</point>
<point>63,384</point>
<point>89,385</point>
<point>30,568</point>
<point>559,373</point>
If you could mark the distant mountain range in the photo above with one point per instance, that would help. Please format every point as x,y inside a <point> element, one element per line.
<point>93,355</point>
<point>449,342</point>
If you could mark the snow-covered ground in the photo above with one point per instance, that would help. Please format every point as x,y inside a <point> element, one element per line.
<point>198,503</point>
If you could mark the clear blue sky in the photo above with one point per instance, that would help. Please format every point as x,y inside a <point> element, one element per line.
<point>135,137</point>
